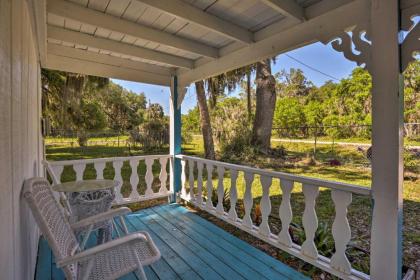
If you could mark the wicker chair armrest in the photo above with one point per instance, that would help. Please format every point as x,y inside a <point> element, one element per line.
<point>101,249</point>
<point>117,212</point>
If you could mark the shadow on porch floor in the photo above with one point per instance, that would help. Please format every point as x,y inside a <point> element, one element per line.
<point>191,247</point>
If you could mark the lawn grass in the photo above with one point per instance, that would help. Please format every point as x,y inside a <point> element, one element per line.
<point>354,169</point>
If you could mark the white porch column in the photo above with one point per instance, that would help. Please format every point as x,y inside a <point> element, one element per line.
<point>387,137</point>
<point>175,138</point>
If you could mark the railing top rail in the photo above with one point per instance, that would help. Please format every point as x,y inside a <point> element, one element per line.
<point>95,160</point>
<point>302,179</point>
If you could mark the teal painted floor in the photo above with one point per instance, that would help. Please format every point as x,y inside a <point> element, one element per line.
<point>191,248</point>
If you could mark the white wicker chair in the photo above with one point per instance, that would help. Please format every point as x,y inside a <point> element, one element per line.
<point>106,261</point>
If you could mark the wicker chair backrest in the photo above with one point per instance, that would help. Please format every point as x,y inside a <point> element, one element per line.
<point>53,224</point>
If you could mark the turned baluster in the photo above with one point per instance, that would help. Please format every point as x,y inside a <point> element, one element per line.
<point>134,178</point>
<point>285,212</point>
<point>310,221</point>
<point>248,201</point>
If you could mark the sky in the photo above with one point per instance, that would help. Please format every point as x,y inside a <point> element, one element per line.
<point>311,59</point>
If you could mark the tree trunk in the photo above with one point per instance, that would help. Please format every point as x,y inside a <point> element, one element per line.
<point>265,105</point>
<point>248,94</point>
<point>205,121</point>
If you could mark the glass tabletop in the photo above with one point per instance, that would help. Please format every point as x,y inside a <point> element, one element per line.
<point>85,186</point>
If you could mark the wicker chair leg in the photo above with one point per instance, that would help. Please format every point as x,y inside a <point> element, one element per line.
<point>140,273</point>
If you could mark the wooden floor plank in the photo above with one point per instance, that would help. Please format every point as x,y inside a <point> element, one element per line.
<point>177,268</point>
<point>221,246</point>
<point>191,248</point>
<point>258,257</point>
<point>195,263</point>
<point>228,257</point>
<point>43,266</point>
<point>218,264</point>
<point>150,274</point>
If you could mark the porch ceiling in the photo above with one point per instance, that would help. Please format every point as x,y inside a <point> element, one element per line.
<point>148,41</point>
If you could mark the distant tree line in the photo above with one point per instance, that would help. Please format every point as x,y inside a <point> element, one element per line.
<point>87,104</point>
<point>301,109</point>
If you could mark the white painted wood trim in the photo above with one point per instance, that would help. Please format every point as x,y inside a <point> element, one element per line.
<point>248,201</point>
<point>134,179</point>
<point>296,178</point>
<point>89,16</point>
<point>310,221</point>
<point>68,64</point>
<point>61,50</point>
<point>341,231</point>
<point>387,141</point>
<point>79,38</point>
<point>265,205</point>
<point>99,168</point>
<point>299,35</point>
<point>209,186</point>
<point>163,176</point>
<point>287,7</point>
<point>220,189</point>
<point>181,9</point>
<point>308,251</point>
<point>149,175</point>
<point>285,212</point>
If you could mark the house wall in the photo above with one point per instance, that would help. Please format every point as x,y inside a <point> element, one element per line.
<point>20,141</point>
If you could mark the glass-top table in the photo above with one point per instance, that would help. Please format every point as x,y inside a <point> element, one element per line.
<point>85,186</point>
<point>90,197</point>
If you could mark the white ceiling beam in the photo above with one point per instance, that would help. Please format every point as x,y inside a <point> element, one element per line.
<point>183,10</point>
<point>89,16</point>
<point>83,54</point>
<point>307,32</point>
<point>84,39</point>
<point>63,63</point>
<point>287,7</point>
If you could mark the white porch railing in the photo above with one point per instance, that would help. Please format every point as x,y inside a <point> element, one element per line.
<point>56,168</point>
<point>341,194</point>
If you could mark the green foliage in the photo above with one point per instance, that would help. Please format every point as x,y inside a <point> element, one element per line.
<point>124,109</point>
<point>80,102</point>
<point>153,133</point>
<point>231,127</point>
<point>191,121</point>
<point>289,116</point>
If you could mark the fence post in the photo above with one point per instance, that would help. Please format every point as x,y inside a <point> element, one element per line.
<point>175,139</point>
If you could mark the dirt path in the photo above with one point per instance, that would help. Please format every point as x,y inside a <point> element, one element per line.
<point>330,143</point>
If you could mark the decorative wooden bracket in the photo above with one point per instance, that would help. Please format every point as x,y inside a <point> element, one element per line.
<point>411,43</point>
<point>182,91</point>
<point>354,44</point>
